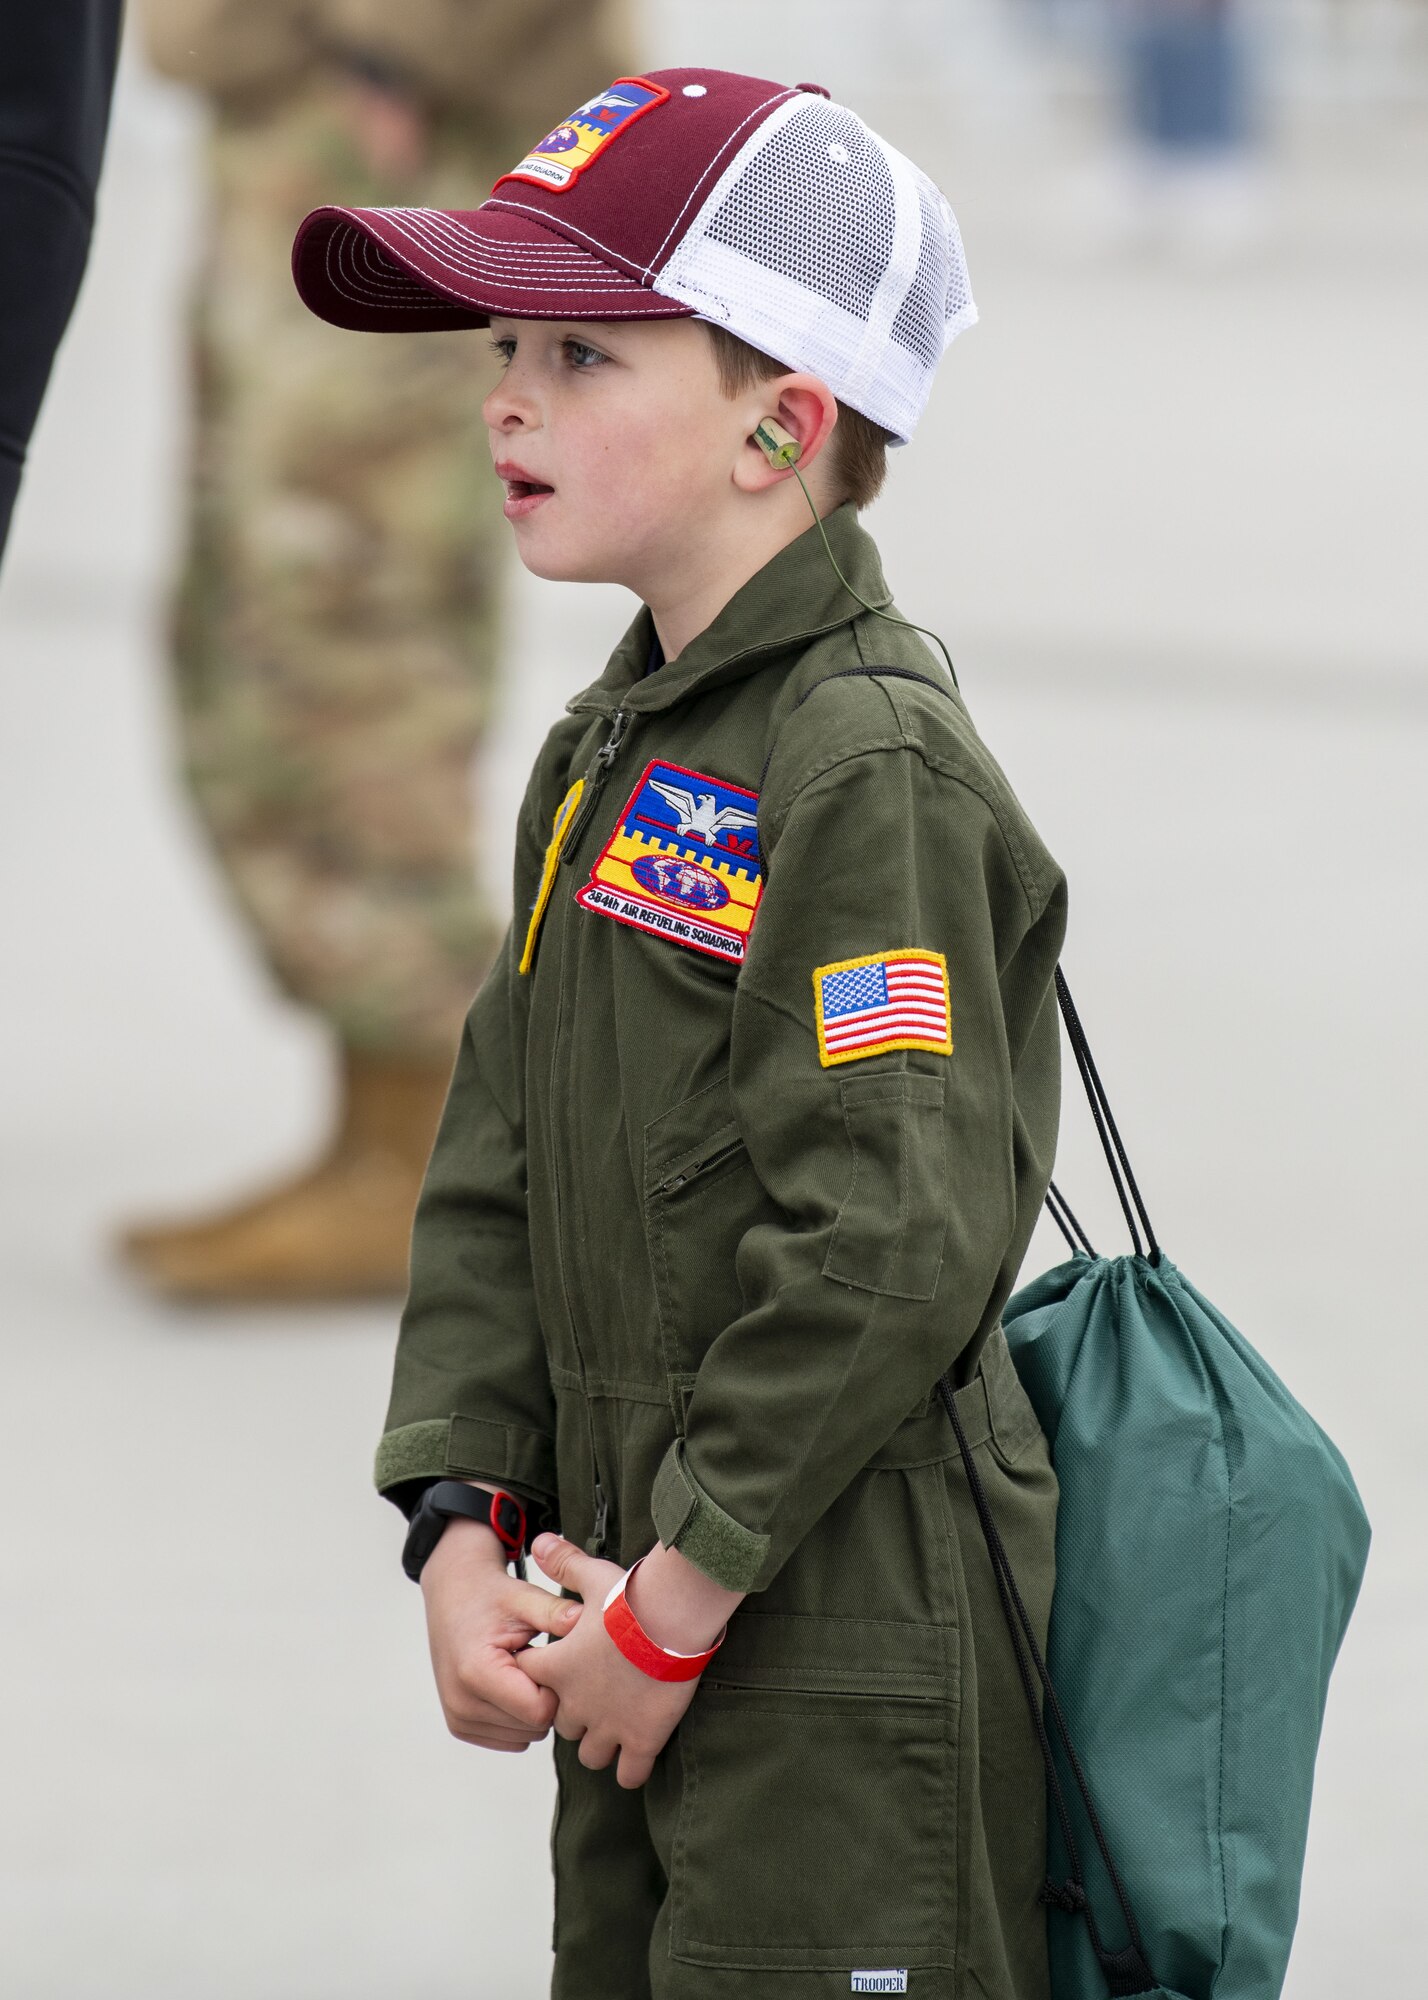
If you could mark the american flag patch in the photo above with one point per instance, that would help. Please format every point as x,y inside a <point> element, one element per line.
<point>892,1000</point>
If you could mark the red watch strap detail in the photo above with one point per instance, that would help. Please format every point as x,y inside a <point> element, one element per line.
<point>512,1532</point>
<point>659,1662</point>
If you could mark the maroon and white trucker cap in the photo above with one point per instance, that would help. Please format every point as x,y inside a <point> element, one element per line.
<point>766,209</point>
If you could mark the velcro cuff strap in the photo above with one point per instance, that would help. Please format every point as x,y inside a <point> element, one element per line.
<point>479,1449</point>
<point>687,1519</point>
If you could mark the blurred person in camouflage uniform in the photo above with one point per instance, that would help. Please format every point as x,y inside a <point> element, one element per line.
<point>336,630</point>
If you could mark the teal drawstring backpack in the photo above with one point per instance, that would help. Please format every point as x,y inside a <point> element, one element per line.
<point>1210,1544</point>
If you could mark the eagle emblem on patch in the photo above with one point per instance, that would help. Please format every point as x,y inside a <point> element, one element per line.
<point>889,1000</point>
<point>683,862</point>
<point>564,154</point>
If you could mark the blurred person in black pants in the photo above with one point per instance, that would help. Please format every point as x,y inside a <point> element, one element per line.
<point>56,80</point>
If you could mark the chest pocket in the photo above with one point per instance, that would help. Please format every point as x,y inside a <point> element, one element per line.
<point>701,1195</point>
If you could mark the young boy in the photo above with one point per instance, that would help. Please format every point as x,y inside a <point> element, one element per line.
<point>753,1118</point>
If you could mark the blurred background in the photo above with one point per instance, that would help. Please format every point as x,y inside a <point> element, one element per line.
<point>1168,508</point>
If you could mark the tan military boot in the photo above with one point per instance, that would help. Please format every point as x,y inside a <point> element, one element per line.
<point>341,1229</point>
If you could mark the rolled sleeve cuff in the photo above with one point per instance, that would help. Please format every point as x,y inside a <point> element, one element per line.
<point>687,1519</point>
<point>460,1447</point>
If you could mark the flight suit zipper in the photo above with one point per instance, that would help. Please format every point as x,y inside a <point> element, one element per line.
<point>700,1166</point>
<point>594,784</point>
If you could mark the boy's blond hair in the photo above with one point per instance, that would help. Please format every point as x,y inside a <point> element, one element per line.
<point>858,447</point>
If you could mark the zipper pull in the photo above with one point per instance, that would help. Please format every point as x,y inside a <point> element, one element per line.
<point>595,781</point>
<point>714,1159</point>
<point>596,1544</point>
<point>609,749</point>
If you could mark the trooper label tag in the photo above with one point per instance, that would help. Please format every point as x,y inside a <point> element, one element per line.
<point>889,1980</point>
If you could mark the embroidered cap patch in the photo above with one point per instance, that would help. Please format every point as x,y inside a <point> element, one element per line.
<point>890,1000</point>
<point>564,154</point>
<point>683,862</point>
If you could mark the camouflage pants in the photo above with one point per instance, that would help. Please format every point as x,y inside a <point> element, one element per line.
<point>336,629</point>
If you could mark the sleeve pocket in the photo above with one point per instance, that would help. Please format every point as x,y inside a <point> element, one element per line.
<point>889,1234</point>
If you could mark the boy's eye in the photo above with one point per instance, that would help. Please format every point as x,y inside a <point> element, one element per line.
<point>579,353</point>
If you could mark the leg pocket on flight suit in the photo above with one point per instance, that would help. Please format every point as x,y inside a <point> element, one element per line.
<point>818,1815</point>
<point>816,1828</point>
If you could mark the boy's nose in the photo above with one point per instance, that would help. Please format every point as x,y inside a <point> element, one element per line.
<point>507,409</point>
<point>511,405</point>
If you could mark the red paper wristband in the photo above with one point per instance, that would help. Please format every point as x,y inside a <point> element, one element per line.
<point>661,1663</point>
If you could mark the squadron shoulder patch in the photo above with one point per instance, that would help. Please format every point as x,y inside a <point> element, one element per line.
<point>683,862</point>
<point>564,154</point>
<point>889,1000</point>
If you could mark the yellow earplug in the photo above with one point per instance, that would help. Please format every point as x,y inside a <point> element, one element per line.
<point>779,447</point>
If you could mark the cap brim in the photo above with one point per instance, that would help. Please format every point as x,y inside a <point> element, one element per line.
<point>402,270</point>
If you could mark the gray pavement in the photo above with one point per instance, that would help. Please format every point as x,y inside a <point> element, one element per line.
<point>1170,520</point>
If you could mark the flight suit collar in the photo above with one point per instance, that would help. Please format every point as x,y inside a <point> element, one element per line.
<point>794,597</point>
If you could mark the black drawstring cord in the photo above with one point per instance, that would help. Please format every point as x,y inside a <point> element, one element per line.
<point>1068,1896</point>
<point>1059,1209</point>
<point>1111,1143</point>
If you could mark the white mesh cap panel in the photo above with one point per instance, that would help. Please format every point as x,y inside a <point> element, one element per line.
<point>825,247</point>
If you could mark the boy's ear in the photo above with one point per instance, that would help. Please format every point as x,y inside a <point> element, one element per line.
<point>808,410</point>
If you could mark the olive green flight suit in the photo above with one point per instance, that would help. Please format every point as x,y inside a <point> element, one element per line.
<point>675,1275</point>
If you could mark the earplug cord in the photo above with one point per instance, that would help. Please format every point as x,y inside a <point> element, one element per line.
<point>781,450</point>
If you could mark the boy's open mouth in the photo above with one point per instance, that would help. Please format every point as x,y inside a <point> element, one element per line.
<point>518,482</point>
<point>523,492</point>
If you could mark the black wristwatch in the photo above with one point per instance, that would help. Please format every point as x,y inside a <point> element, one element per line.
<point>499,1510</point>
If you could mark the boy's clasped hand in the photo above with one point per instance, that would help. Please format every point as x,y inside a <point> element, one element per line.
<point>501,1692</point>
<point>606,1703</point>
